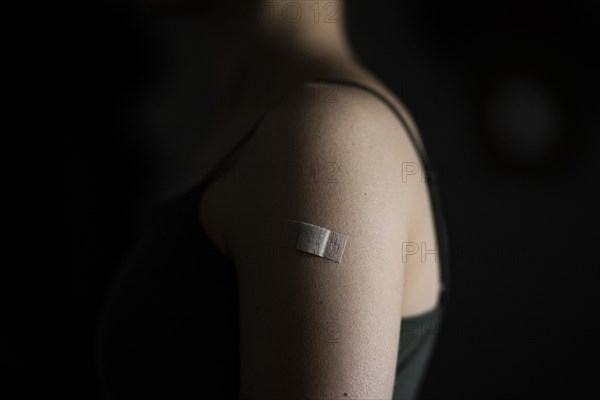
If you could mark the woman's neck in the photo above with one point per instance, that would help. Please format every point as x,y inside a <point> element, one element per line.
<point>263,48</point>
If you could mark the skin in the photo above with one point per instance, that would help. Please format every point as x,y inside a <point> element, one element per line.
<point>312,328</point>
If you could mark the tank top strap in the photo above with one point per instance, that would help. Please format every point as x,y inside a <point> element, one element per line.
<point>420,151</point>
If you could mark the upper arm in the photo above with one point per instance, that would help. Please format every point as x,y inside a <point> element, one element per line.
<point>312,328</point>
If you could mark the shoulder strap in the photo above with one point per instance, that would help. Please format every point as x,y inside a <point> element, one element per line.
<point>228,159</point>
<point>390,105</point>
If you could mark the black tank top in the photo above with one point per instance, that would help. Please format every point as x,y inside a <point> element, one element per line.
<point>169,326</point>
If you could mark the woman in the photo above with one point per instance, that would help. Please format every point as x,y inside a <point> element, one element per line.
<point>213,302</point>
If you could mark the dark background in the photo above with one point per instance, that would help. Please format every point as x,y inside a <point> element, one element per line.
<point>105,103</point>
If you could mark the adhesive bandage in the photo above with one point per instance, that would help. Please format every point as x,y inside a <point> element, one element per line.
<point>314,239</point>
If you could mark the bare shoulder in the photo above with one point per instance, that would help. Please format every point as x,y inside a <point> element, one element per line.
<point>322,153</point>
<point>323,329</point>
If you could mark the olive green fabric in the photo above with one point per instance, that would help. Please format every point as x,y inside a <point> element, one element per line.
<point>417,341</point>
